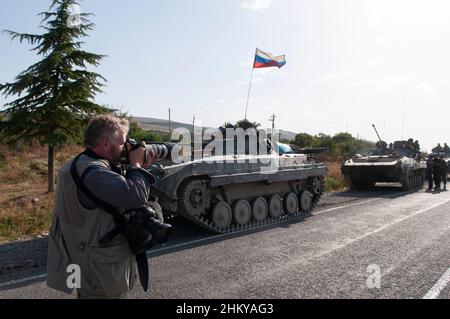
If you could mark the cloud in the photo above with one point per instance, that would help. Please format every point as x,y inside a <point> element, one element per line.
<point>256,5</point>
<point>247,63</point>
<point>374,62</point>
<point>336,77</point>
<point>430,90</point>
<point>384,84</point>
<point>259,75</point>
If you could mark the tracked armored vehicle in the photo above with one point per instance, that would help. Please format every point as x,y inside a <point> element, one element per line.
<point>398,164</point>
<point>229,193</point>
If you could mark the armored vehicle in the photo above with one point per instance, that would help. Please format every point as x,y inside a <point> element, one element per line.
<point>234,192</point>
<point>399,163</point>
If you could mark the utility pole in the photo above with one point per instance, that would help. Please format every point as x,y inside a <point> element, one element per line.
<point>170,128</point>
<point>272,119</point>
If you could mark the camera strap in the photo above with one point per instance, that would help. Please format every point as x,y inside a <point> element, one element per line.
<point>119,220</point>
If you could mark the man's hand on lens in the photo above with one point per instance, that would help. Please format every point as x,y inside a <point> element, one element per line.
<point>137,156</point>
<point>151,158</point>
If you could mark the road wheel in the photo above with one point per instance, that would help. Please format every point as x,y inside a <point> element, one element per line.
<point>317,185</point>
<point>242,212</point>
<point>275,206</point>
<point>260,209</point>
<point>290,202</point>
<point>305,200</point>
<point>193,197</point>
<point>221,215</point>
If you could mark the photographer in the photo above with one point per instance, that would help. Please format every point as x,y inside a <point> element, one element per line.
<point>108,268</point>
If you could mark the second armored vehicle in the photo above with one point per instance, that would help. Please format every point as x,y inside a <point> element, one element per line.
<point>396,164</point>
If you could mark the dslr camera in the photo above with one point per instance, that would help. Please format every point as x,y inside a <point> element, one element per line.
<point>144,229</point>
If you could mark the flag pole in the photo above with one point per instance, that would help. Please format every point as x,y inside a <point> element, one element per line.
<point>250,86</point>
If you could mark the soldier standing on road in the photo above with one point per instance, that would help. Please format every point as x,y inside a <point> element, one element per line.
<point>430,172</point>
<point>107,271</point>
<point>437,172</point>
<point>444,172</point>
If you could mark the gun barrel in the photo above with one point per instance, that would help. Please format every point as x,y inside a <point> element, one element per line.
<point>313,150</point>
<point>376,132</point>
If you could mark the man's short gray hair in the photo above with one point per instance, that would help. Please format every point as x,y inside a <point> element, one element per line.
<point>104,125</point>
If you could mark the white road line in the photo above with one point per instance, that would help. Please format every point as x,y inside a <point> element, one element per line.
<point>226,235</point>
<point>439,286</point>
<point>345,206</point>
<point>19,281</point>
<point>359,203</point>
<point>10,283</point>
<point>376,231</point>
<point>194,242</point>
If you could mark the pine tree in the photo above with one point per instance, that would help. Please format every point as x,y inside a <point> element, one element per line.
<point>55,96</point>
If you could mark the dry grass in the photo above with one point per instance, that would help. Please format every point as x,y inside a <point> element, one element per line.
<point>335,180</point>
<point>25,206</point>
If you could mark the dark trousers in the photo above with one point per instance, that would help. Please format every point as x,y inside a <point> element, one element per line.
<point>430,181</point>
<point>437,181</point>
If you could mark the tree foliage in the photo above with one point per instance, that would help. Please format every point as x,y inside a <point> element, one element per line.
<point>341,144</point>
<point>140,134</point>
<point>55,96</point>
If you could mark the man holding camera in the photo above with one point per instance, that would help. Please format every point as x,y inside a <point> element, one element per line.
<point>89,187</point>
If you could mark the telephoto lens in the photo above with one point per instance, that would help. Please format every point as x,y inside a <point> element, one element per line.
<point>158,151</point>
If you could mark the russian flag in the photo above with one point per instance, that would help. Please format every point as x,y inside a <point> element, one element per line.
<point>265,60</point>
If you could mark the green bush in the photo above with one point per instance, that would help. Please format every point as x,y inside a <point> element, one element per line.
<point>334,184</point>
<point>341,145</point>
<point>140,134</point>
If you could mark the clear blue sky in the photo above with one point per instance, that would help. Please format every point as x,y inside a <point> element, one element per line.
<point>350,63</point>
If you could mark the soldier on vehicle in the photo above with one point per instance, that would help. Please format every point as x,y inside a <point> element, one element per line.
<point>437,149</point>
<point>411,147</point>
<point>391,147</point>
<point>381,148</point>
<point>417,146</point>
<point>446,149</point>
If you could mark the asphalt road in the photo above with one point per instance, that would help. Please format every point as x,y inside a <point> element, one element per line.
<point>381,244</point>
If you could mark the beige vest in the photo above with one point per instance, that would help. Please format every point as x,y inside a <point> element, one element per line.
<point>73,239</point>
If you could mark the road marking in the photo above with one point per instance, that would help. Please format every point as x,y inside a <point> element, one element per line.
<point>360,203</point>
<point>345,206</point>
<point>197,241</point>
<point>439,286</point>
<point>194,242</point>
<point>19,281</point>
<point>156,251</point>
<point>385,227</point>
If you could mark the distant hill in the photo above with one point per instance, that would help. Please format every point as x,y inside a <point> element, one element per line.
<point>153,124</point>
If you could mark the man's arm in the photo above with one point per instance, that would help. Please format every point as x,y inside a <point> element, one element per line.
<point>126,193</point>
